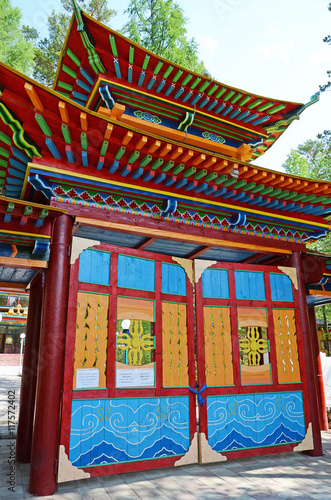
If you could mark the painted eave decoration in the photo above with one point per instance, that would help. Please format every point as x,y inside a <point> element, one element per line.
<point>52,148</point>
<point>25,229</point>
<point>106,72</point>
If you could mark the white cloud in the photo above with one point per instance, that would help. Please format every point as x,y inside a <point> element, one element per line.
<point>207,43</point>
<point>322,54</point>
<point>280,51</point>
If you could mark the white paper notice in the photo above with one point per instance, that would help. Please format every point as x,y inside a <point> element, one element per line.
<point>87,378</point>
<point>134,377</point>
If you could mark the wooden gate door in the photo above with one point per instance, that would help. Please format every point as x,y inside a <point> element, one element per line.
<point>249,352</point>
<point>129,363</point>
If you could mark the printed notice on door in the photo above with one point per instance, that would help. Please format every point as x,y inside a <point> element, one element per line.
<point>87,378</point>
<point>131,377</point>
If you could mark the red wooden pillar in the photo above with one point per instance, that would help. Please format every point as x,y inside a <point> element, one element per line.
<point>29,372</point>
<point>323,418</point>
<point>51,362</point>
<point>309,365</point>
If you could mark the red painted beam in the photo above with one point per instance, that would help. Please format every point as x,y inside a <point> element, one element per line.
<point>29,372</point>
<point>51,362</point>
<point>311,374</point>
<point>323,417</point>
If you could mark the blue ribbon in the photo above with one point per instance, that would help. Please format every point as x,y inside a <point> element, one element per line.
<point>201,401</point>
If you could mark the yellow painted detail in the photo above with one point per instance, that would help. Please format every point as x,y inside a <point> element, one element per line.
<point>288,367</point>
<point>174,345</point>
<point>91,334</point>
<point>218,346</point>
<point>253,346</point>
<point>135,342</point>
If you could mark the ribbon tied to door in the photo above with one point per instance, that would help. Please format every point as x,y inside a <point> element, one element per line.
<point>201,401</point>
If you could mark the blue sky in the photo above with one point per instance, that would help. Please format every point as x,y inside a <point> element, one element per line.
<point>272,48</point>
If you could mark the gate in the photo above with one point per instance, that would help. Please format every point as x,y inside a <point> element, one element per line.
<point>132,376</point>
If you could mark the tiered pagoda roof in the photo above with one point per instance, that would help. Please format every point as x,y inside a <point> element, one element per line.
<point>124,131</point>
<point>106,72</point>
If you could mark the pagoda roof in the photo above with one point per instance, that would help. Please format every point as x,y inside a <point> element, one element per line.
<point>100,68</point>
<point>53,148</point>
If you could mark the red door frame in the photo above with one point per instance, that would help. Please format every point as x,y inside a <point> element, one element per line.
<point>233,303</point>
<point>111,392</point>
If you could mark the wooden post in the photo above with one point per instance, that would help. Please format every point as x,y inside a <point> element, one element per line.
<point>51,362</point>
<point>309,366</point>
<point>29,372</point>
<point>323,417</point>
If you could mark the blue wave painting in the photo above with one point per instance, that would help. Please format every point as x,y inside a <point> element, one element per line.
<point>108,431</point>
<point>255,420</point>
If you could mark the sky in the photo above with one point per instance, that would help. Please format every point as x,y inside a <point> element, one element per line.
<point>267,47</point>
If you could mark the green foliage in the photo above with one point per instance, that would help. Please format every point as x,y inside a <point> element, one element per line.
<point>48,50</point>
<point>312,159</point>
<point>160,26</point>
<point>15,50</point>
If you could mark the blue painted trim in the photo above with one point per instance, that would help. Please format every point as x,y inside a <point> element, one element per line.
<point>159,178</point>
<point>220,107</point>
<point>125,170</point>
<point>80,96</point>
<point>53,149</point>
<point>86,75</point>
<point>243,115</point>
<point>212,105</point>
<point>161,85</point>
<point>187,96</point>
<point>180,183</point>
<point>100,164</point>
<point>170,89</point>
<point>19,155</point>
<point>201,188</point>
<point>250,118</point>
<point>171,180</point>
<point>262,120</point>
<point>235,113</point>
<point>179,92</point>
<point>141,78</point>
<point>117,68</point>
<point>227,110</point>
<point>16,173</point>
<point>137,173</point>
<point>18,166</point>
<point>151,82</point>
<point>114,166</point>
<point>130,74</point>
<point>83,85</point>
<point>196,99</point>
<point>70,155</point>
<point>84,159</point>
<point>191,185</point>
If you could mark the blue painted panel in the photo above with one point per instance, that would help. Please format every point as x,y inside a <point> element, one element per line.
<point>109,431</point>
<point>94,267</point>
<point>281,287</point>
<point>255,420</point>
<point>136,273</point>
<point>173,279</point>
<point>215,284</point>
<point>249,285</point>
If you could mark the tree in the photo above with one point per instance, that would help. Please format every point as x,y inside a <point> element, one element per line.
<point>15,50</point>
<point>312,159</point>
<point>48,50</point>
<point>160,26</point>
<point>327,39</point>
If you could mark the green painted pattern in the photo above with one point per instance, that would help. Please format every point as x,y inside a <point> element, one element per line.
<point>168,71</point>
<point>43,125</point>
<point>69,71</point>
<point>254,104</point>
<point>20,137</point>
<point>73,57</point>
<point>66,133</point>
<point>131,54</point>
<point>113,45</point>
<point>147,159</point>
